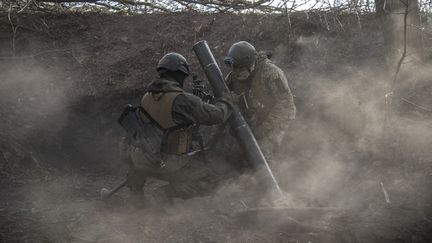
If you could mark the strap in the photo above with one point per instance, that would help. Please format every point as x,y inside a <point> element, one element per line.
<point>152,121</point>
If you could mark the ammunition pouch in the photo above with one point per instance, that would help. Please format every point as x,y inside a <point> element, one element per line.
<point>178,140</point>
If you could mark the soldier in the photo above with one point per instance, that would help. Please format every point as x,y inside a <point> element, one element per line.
<point>263,94</point>
<point>174,113</point>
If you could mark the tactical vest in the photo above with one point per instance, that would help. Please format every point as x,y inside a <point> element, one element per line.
<point>177,137</point>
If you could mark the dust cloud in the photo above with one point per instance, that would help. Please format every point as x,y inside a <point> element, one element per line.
<point>352,148</point>
<point>346,152</point>
<point>33,99</point>
<point>332,154</point>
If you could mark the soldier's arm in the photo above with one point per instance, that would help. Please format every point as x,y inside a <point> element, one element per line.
<point>188,107</point>
<point>282,111</point>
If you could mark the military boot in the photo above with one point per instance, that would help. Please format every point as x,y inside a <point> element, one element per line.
<point>137,196</point>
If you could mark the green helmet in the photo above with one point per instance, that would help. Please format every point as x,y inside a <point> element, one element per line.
<point>241,54</point>
<point>174,62</point>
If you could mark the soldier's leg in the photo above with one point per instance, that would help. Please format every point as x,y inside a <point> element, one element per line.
<point>136,177</point>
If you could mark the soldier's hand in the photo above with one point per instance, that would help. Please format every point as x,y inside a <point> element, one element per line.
<point>236,98</point>
<point>226,98</point>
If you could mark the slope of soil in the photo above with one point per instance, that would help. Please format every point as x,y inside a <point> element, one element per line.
<point>65,79</point>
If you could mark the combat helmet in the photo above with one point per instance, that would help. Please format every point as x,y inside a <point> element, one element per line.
<point>241,54</point>
<point>174,62</point>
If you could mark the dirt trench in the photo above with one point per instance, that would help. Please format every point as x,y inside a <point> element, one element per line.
<point>69,76</point>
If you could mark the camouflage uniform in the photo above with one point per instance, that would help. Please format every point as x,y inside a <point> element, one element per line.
<point>266,102</point>
<point>187,176</point>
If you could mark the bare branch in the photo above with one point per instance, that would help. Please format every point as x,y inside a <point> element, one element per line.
<point>239,6</point>
<point>108,6</point>
<point>68,1</point>
<point>404,45</point>
<point>144,3</point>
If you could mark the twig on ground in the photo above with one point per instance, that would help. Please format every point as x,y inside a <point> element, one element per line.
<point>77,59</point>
<point>44,23</point>
<point>387,102</point>
<point>416,105</point>
<point>386,196</point>
<point>35,160</point>
<point>243,204</point>
<point>4,157</point>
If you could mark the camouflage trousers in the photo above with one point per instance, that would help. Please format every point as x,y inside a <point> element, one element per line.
<point>270,144</point>
<point>187,176</point>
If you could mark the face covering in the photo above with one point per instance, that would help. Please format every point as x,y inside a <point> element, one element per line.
<point>243,73</point>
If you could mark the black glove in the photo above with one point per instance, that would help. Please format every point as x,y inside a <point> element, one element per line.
<point>226,98</point>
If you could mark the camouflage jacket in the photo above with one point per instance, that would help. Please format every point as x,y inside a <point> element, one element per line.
<point>265,100</point>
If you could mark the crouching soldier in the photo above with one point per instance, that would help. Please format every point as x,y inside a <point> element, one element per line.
<point>168,115</point>
<point>263,94</point>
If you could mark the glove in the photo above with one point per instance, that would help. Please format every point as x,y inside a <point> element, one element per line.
<point>226,98</point>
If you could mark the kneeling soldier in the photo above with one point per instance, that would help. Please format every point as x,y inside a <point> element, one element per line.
<point>168,115</point>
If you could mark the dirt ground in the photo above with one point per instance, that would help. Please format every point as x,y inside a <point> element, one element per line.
<point>354,169</point>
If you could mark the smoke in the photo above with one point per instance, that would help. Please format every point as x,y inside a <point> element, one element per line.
<point>350,149</point>
<point>346,149</point>
<point>34,99</point>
